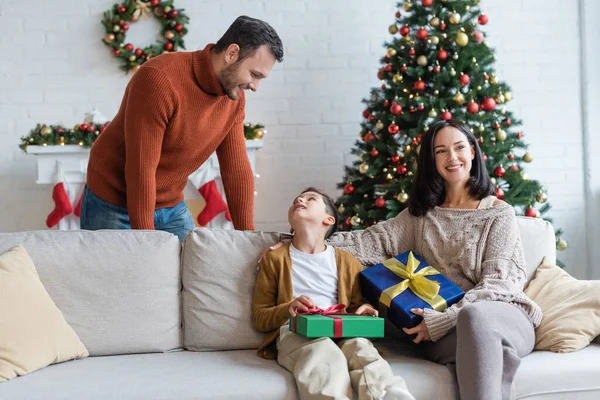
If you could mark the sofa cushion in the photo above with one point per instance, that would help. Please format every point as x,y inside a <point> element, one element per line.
<point>33,331</point>
<point>538,241</point>
<point>218,275</point>
<point>119,290</point>
<point>178,376</point>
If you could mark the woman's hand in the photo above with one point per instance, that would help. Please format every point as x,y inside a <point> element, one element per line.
<point>421,329</point>
<point>301,303</point>
<point>367,309</point>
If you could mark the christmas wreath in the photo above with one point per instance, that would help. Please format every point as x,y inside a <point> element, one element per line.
<point>116,22</point>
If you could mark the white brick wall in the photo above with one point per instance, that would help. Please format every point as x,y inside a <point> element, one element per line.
<point>54,68</point>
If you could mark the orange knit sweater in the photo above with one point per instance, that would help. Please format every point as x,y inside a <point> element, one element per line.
<point>173,116</point>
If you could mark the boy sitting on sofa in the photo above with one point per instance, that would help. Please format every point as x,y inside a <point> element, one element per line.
<point>307,273</point>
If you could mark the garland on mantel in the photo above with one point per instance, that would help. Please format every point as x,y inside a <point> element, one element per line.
<point>85,134</point>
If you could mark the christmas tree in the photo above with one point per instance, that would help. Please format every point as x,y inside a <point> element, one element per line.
<point>438,65</point>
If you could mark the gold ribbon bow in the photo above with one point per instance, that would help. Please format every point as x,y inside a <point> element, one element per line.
<point>417,282</point>
<point>141,8</point>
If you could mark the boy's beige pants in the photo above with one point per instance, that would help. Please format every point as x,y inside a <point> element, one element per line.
<point>326,370</point>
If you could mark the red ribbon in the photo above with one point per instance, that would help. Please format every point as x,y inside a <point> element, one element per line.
<point>337,309</point>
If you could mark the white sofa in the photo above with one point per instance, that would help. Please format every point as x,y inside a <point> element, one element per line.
<point>137,301</point>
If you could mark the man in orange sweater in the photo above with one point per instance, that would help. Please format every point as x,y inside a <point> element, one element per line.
<point>177,110</point>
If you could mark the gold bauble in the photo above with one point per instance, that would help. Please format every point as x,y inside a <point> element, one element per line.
<point>501,135</point>
<point>422,61</point>
<point>481,128</point>
<point>393,29</point>
<point>397,78</point>
<point>407,6</point>
<point>407,148</point>
<point>500,99</point>
<point>159,11</point>
<point>462,39</point>
<point>436,92</point>
<point>525,176</point>
<point>167,9</point>
<point>45,131</point>
<point>391,52</point>
<point>541,197</point>
<point>508,96</point>
<point>355,221</point>
<point>116,28</point>
<point>109,38</point>
<point>379,125</point>
<point>561,245</point>
<point>493,80</point>
<point>454,18</point>
<point>169,35</point>
<point>435,21</point>
<point>402,197</point>
<point>528,157</point>
<point>455,56</point>
<point>363,168</point>
<point>341,209</point>
<point>452,72</point>
<point>459,98</point>
<point>61,141</point>
<point>390,177</point>
<point>493,180</point>
<point>432,114</point>
<point>479,88</point>
<point>259,133</point>
<point>131,58</point>
<point>434,40</point>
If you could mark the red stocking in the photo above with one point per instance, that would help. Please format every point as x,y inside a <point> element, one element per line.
<point>214,203</point>
<point>77,210</point>
<point>62,205</point>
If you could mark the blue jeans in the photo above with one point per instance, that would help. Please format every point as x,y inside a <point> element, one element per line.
<point>98,214</point>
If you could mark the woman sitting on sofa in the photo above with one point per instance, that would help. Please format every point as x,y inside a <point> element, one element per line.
<point>458,226</point>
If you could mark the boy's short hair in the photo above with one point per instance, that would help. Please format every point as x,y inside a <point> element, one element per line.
<point>330,208</point>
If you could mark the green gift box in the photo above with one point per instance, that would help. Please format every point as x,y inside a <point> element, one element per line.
<point>337,326</point>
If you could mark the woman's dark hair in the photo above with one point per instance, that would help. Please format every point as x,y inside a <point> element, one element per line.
<point>330,208</point>
<point>250,34</point>
<point>428,189</point>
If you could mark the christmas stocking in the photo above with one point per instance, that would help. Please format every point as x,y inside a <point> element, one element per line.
<point>62,205</point>
<point>77,210</point>
<point>214,203</point>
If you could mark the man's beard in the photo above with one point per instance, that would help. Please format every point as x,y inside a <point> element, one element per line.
<point>228,81</point>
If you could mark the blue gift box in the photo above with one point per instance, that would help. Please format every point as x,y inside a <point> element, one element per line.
<point>406,282</point>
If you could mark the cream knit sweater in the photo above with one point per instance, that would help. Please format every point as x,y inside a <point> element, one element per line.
<point>479,250</point>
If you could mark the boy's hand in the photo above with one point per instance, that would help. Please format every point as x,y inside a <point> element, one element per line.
<point>301,303</point>
<point>421,329</point>
<point>367,309</point>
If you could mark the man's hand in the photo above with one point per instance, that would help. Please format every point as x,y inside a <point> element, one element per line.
<point>421,329</point>
<point>367,309</point>
<point>301,303</point>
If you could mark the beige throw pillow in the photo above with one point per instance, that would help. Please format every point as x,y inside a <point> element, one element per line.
<point>571,309</point>
<point>33,331</point>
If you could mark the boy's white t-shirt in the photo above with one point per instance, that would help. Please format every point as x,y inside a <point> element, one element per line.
<point>315,276</point>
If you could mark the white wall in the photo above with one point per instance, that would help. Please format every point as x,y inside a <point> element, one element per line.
<point>54,68</point>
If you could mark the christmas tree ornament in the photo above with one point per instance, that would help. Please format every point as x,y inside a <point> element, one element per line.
<point>355,221</point>
<point>525,176</point>
<point>531,212</point>
<point>452,72</point>
<point>380,202</point>
<point>393,29</point>
<point>488,104</point>
<point>472,107</point>
<point>446,115</point>
<point>348,189</point>
<point>510,157</point>
<point>398,14</point>
<point>436,69</point>
<point>45,131</point>
<point>500,135</point>
<point>454,18</point>
<point>519,135</point>
<point>459,98</point>
<point>435,21</point>
<point>483,19</point>
<point>464,79</point>
<point>421,107</point>
<point>396,109</point>
<point>493,180</point>
<point>341,209</point>
<point>455,56</point>
<point>514,167</point>
<point>500,99</point>
<point>493,80</point>
<point>422,34</point>
<point>402,170</point>
<point>462,39</point>
<point>419,85</point>
<point>422,61</point>
<point>397,78</point>
<point>434,40</point>
<point>395,158</point>
<point>391,52</point>
<point>412,52</point>
<point>426,3</point>
<point>374,153</point>
<point>436,92</point>
<point>499,171</point>
<point>405,30</point>
<point>541,197</point>
<point>393,129</point>
<point>407,6</point>
<point>477,36</point>
<point>432,113</point>
<point>169,35</point>
<point>379,126</point>
<point>499,193</point>
<point>442,55</point>
<point>561,244</point>
<point>508,96</point>
<point>528,157</point>
<point>402,197</point>
<point>109,38</point>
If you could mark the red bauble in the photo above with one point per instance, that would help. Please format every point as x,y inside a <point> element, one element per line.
<point>383,87</point>
<point>381,74</point>
<point>366,113</point>
<point>402,170</point>
<point>129,47</point>
<point>483,19</point>
<point>486,76</point>
<point>442,55</point>
<point>168,46</point>
<point>419,85</point>
<point>496,126</point>
<point>420,107</point>
<point>121,9</point>
<point>499,172</point>
<point>411,52</point>
<point>125,27</point>
<point>426,3</point>
<point>488,104</point>
<point>484,157</point>
<point>507,122</point>
<point>478,36</point>
<point>464,79</point>
<point>388,68</point>
<point>380,202</point>
<point>446,115</point>
<point>139,52</point>
<point>422,34</point>
<point>531,212</point>
<point>499,193</point>
<point>178,27</point>
<point>348,189</point>
<point>121,22</point>
<point>173,14</point>
<point>472,107</point>
<point>59,130</point>
<point>154,3</point>
<point>386,103</point>
<point>371,118</point>
<point>396,109</point>
<point>116,52</point>
<point>83,127</point>
<point>404,68</point>
<point>414,142</point>
<point>102,128</point>
<point>374,153</point>
<point>442,26</point>
<point>519,135</point>
<point>395,158</point>
<point>393,129</point>
<point>405,30</point>
<point>369,136</point>
<point>481,140</point>
<point>91,128</point>
<point>515,167</point>
<point>436,69</point>
<point>398,14</point>
<point>511,157</point>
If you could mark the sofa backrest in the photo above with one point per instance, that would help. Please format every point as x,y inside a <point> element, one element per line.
<point>119,290</point>
<point>219,270</point>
